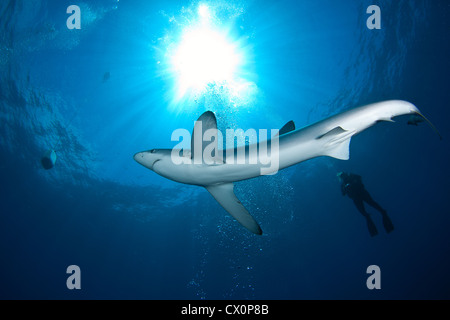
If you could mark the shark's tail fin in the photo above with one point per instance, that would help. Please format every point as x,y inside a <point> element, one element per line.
<point>429,122</point>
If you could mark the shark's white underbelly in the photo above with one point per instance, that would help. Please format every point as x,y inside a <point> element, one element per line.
<point>241,168</point>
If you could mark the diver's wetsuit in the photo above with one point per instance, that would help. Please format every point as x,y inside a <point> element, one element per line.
<point>353,187</point>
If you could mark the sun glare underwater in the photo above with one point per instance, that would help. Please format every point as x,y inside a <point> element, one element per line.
<point>203,52</point>
<point>77,104</point>
<point>204,55</point>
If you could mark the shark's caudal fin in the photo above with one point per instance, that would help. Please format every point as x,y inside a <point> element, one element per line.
<point>224,194</point>
<point>429,123</point>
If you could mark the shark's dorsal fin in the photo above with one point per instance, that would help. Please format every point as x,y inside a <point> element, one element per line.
<point>224,194</point>
<point>206,123</point>
<point>288,127</point>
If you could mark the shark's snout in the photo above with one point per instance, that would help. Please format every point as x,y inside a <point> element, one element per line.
<point>147,158</point>
<point>139,157</point>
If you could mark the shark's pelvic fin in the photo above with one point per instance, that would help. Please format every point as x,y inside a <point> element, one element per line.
<point>206,122</point>
<point>341,151</point>
<point>224,194</point>
<point>288,127</point>
<point>337,143</point>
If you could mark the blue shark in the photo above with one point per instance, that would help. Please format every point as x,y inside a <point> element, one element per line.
<point>329,137</point>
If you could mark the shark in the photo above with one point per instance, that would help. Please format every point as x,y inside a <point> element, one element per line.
<point>217,174</point>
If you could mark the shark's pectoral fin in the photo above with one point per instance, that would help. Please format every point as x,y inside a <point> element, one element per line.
<point>224,194</point>
<point>337,143</point>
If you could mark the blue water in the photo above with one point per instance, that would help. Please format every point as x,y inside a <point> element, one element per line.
<point>135,235</point>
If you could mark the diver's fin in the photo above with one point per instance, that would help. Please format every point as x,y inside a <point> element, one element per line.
<point>337,143</point>
<point>288,127</point>
<point>206,123</point>
<point>371,226</point>
<point>224,194</point>
<point>387,223</point>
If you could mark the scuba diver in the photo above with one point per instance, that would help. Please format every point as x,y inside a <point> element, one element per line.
<point>351,185</point>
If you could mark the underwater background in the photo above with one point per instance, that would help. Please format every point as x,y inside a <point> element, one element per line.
<point>99,94</point>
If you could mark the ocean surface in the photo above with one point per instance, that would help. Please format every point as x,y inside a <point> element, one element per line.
<point>99,94</point>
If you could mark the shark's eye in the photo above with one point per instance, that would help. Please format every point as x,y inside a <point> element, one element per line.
<point>153,151</point>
